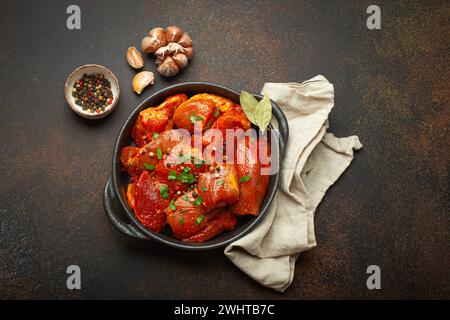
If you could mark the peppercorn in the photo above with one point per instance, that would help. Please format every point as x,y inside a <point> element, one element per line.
<point>93,93</point>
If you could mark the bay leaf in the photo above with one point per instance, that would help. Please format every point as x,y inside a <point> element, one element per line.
<point>248,104</point>
<point>263,113</point>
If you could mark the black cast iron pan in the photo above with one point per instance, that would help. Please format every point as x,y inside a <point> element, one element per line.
<point>114,199</point>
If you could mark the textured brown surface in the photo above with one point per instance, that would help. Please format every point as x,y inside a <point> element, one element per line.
<point>391,207</point>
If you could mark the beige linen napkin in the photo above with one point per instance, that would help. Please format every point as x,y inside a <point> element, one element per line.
<point>313,161</point>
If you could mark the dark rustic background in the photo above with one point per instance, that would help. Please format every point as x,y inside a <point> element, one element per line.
<point>391,207</point>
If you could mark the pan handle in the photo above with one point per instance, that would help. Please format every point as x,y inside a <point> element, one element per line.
<point>283,126</point>
<point>115,213</point>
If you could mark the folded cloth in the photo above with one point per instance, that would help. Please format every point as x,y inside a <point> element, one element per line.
<point>314,159</point>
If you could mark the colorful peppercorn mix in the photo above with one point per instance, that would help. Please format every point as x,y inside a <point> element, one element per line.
<point>93,93</point>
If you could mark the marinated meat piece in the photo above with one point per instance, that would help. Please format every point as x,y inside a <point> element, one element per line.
<point>234,118</point>
<point>189,215</point>
<point>135,160</point>
<point>151,198</point>
<point>189,163</point>
<point>223,221</point>
<point>192,111</point>
<point>252,184</point>
<point>222,103</point>
<point>155,119</point>
<point>130,195</point>
<point>219,187</point>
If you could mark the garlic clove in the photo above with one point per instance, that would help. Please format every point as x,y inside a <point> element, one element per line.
<point>134,58</point>
<point>159,33</point>
<point>155,39</point>
<point>142,80</point>
<point>148,45</point>
<point>185,40</point>
<point>188,52</point>
<point>173,33</point>
<point>180,60</point>
<point>168,68</point>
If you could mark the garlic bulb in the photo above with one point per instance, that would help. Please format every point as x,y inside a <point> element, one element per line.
<point>172,48</point>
